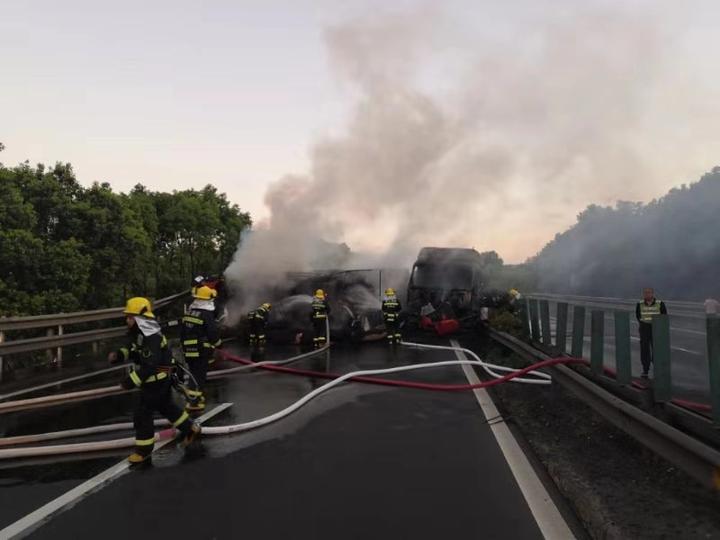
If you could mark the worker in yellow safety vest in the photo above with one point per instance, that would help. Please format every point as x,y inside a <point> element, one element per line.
<point>644,312</point>
<point>148,349</point>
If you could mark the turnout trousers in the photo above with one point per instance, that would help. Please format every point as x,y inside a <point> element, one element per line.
<point>156,397</point>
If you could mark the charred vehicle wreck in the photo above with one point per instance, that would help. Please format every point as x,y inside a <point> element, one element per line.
<point>353,301</point>
<point>446,288</point>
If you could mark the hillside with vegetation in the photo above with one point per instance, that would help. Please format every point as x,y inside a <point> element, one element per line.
<point>671,244</point>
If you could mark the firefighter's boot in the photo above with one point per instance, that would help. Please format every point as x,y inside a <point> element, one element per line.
<point>192,435</point>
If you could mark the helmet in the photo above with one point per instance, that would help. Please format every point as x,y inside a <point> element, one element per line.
<point>389,291</point>
<point>139,306</point>
<point>198,280</point>
<point>267,306</point>
<point>320,294</point>
<point>514,292</point>
<point>204,293</point>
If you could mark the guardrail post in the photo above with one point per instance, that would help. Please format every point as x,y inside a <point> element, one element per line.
<point>662,384</point>
<point>545,322</point>
<point>534,324</point>
<point>561,318</point>
<point>49,352</point>
<point>597,341</point>
<point>2,340</point>
<point>622,348</point>
<point>578,335</point>
<point>525,315</point>
<point>59,349</point>
<point>713,352</point>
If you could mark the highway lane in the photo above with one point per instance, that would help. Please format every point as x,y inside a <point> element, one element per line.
<point>361,461</point>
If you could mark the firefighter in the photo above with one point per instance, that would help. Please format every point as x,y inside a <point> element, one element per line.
<point>148,349</point>
<point>319,315</point>
<point>197,282</point>
<point>644,312</point>
<point>391,314</point>
<point>258,320</point>
<point>199,336</point>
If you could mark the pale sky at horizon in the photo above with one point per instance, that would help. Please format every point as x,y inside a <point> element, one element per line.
<point>177,95</point>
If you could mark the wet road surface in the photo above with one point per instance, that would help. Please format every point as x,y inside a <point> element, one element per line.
<point>361,461</point>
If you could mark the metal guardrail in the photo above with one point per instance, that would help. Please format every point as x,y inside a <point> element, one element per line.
<point>698,459</point>
<point>538,322</point>
<point>9,324</point>
<point>694,310</point>
<point>63,319</point>
<point>65,340</point>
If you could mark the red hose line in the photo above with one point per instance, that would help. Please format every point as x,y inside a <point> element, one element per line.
<point>407,384</point>
<point>694,406</point>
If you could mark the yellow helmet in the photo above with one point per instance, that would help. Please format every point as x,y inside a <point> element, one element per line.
<point>139,306</point>
<point>204,293</point>
<point>267,306</point>
<point>320,294</point>
<point>389,291</point>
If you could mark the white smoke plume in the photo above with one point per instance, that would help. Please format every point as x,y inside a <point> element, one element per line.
<point>489,141</point>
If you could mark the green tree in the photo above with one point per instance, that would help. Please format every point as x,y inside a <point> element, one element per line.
<point>65,247</point>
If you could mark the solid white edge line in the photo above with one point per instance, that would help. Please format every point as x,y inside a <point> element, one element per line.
<point>67,500</point>
<point>549,520</point>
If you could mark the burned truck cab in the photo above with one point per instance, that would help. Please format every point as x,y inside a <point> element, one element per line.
<point>446,279</point>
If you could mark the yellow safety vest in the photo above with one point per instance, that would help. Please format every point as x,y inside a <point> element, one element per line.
<point>648,312</point>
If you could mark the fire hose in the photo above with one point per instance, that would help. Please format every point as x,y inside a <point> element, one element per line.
<point>364,376</point>
<point>360,376</point>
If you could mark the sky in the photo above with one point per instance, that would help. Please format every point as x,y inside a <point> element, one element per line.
<point>559,105</point>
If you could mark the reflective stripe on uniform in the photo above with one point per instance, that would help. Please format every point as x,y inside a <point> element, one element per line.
<point>158,377</point>
<point>184,416</point>
<point>192,355</point>
<point>144,442</point>
<point>124,352</point>
<point>135,378</point>
<point>190,342</point>
<point>648,312</point>
<point>193,320</point>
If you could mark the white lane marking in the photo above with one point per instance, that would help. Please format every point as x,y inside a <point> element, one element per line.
<point>67,500</point>
<point>548,517</point>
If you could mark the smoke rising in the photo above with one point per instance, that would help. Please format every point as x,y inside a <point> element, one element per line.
<point>491,137</point>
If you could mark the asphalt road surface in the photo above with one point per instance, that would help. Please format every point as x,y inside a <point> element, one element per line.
<point>360,461</point>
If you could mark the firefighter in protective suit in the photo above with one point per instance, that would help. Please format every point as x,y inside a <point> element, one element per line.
<point>319,315</point>
<point>258,320</point>
<point>148,349</point>
<point>391,314</point>
<point>199,336</point>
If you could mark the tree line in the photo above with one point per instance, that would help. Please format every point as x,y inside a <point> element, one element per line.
<point>65,247</point>
<point>671,244</point>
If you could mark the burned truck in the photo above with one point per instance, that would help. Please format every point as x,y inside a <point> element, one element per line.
<point>447,282</point>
